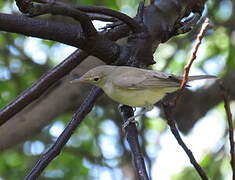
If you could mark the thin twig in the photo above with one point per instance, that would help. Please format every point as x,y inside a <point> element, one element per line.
<point>101,17</point>
<point>134,25</point>
<point>225,96</point>
<point>193,56</point>
<point>168,107</point>
<point>55,150</point>
<point>132,138</point>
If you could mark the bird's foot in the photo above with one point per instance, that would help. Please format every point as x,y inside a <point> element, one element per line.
<point>132,119</point>
<point>129,121</point>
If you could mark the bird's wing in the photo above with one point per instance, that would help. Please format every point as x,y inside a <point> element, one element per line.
<point>145,79</point>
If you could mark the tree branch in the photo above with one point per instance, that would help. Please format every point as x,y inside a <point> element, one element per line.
<point>167,107</point>
<point>62,97</point>
<point>24,5</point>
<point>57,9</point>
<point>90,48</point>
<point>51,77</point>
<point>41,85</point>
<point>135,27</point>
<point>99,46</point>
<point>55,150</point>
<point>132,138</point>
<point>193,56</point>
<point>225,96</point>
<point>101,17</point>
<point>41,28</point>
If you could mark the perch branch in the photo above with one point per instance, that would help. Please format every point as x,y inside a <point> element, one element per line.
<point>132,138</point>
<point>127,111</point>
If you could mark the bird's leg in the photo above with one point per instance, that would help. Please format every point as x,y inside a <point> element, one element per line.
<point>146,109</point>
<point>132,119</point>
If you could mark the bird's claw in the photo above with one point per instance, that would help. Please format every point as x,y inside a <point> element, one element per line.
<point>129,121</point>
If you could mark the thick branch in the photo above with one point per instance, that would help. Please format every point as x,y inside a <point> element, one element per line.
<point>41,28</point>
<point>57,9</point>
<point>69,34</point>
<point>33,93</point>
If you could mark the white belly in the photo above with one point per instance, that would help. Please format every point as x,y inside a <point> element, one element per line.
<point>136,98</point>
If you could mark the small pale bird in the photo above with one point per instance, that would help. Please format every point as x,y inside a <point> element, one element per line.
<point>134,86</point>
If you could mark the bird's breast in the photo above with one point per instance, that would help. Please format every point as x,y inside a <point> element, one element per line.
<point>134,97</point>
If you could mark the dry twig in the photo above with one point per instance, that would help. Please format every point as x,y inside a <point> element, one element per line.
<point>193,56</point>
<point>225,96</point>
<point>170,105</point>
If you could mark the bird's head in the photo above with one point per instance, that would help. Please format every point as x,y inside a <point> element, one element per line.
<point>96,76</point>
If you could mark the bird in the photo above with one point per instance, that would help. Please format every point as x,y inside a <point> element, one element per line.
<point>135,87</point>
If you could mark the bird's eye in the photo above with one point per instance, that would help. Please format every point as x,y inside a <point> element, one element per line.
<point>96,79</point>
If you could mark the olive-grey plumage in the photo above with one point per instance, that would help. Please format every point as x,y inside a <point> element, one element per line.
<point>134,86</point>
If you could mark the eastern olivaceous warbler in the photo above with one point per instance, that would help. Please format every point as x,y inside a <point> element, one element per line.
<point>134,86</point>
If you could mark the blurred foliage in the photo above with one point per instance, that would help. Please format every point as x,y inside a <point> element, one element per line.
<point>98,147</point>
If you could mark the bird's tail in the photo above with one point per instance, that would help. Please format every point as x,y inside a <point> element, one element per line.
<point>192,78</point>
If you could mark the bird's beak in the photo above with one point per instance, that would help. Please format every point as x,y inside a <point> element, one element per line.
<point>76,80</point>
